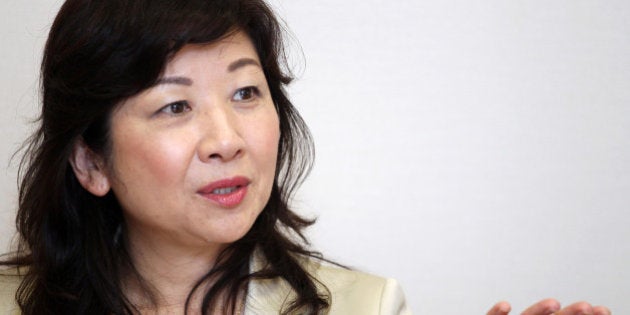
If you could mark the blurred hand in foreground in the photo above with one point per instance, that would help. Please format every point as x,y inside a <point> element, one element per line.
<point>551,306</point>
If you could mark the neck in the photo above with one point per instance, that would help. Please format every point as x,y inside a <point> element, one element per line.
<point>168,271</point>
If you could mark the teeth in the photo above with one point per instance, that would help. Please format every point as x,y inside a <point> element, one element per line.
<point>223,191</point>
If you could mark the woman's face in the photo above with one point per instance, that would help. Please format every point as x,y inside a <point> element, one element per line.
<point>193,157</point>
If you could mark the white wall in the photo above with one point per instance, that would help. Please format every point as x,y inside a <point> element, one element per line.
<point>474,150</point>
<point>23,29</point>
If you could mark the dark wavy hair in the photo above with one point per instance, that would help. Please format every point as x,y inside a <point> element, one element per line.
<point>98,54</point>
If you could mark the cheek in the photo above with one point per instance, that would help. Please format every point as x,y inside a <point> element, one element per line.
<point>266,137</point>
<point>265,150</point>
<point>150,158</point>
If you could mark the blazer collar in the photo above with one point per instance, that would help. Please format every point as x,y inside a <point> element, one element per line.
<point>265,296</point>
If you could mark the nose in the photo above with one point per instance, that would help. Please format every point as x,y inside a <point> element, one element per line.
<point>221,135</point>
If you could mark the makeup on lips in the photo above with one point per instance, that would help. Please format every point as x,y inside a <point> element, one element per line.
<point>227,193</point>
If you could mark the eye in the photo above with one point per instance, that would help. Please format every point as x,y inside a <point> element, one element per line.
<point>176,108</point>
<point>246,94</point>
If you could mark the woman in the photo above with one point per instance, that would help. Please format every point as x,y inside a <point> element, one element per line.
<point>159,179</point>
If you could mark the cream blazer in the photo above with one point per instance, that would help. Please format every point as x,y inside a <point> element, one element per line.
<point>352,292</point>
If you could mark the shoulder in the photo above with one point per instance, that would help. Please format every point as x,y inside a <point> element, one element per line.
<point>10,279</point>
<point>351,292</point>
<point>356,292</point>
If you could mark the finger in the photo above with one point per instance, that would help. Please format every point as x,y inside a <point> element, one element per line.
<point>501,308</point>
<point>579,308</point>
<point>601,310</point>
<point>544,307</point>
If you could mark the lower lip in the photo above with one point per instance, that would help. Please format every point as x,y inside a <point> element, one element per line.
<point>230,200</point>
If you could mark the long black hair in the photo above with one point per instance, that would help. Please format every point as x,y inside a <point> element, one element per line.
<point>98,54</point>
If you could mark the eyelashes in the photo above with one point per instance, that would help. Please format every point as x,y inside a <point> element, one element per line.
<point>176,108</point>
<point>246,94</point>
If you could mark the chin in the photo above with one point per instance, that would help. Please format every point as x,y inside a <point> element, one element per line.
<point>228,236</point>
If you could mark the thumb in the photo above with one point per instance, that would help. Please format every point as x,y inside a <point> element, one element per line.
<point>501,308</point>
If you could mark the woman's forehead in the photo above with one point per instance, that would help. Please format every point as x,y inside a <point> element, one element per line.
<point>220,53</point>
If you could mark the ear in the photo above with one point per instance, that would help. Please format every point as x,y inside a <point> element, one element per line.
<point>89,168</point>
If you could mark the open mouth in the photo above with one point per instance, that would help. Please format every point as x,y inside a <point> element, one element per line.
<point>227,193</point>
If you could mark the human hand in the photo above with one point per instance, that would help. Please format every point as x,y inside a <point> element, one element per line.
<point>552,307</point>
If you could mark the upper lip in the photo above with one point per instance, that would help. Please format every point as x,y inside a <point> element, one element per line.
<point>237,181</point>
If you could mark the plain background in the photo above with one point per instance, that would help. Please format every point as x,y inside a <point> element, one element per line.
<point>473,150</point>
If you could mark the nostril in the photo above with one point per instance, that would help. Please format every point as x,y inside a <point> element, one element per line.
<point>224,155</point>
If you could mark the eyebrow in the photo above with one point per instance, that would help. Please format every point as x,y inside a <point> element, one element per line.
<point>242,63</point>
<point>174,80</point>
<point>188,82</point>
